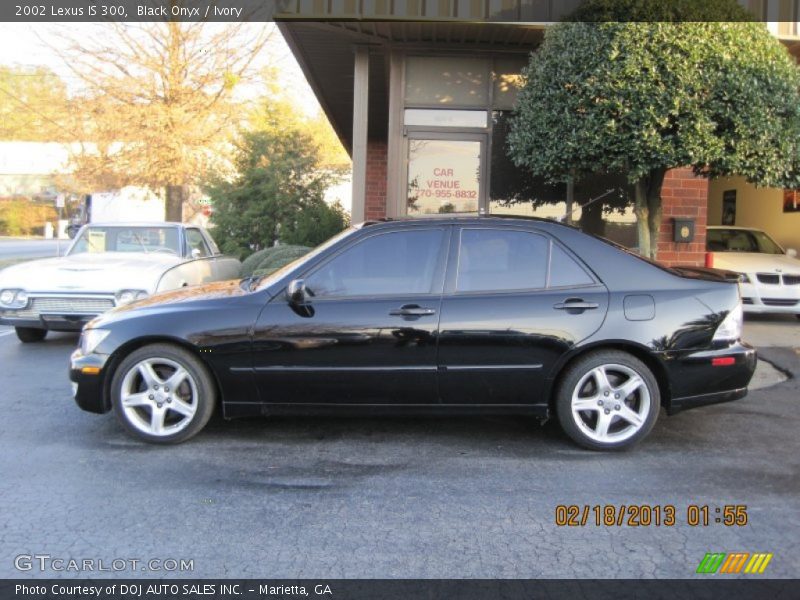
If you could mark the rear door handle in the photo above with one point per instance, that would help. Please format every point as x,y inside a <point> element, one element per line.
<point>411,310</point>
<point>575,304</point>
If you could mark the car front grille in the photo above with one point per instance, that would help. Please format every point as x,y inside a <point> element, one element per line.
<point>746,300</point>
<point>791,280</point>
<point>769,278</point>
<point>62,306</point>
<point>779,302</point>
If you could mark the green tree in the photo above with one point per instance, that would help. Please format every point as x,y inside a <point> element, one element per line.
<point>277,112</point>
<point>640,98</point>
<point>276,192</point>
<point>314,223</point>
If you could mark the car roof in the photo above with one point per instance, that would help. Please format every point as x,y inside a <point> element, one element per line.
<point>139,224</point>
<point>466,220</point>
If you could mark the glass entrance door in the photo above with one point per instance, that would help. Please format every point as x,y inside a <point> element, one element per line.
<point>445,173</point>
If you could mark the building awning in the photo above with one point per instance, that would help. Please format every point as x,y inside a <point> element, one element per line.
<point>325,52</point>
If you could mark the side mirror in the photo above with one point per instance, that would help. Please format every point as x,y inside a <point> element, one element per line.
<point>791,253</point>
<point>296,292</point>
<point>195,253</point>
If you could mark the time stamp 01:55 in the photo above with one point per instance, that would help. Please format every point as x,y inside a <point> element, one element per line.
<point>647,515</point>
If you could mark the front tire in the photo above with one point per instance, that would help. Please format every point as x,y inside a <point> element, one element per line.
<point>608,400</point>
<point>30,335</point>
<point>162,394</point>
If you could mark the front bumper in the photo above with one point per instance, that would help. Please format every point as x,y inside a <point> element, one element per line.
<point>88,381</point>
<point>50,322</point>
<point>695,380</point>
<point>765,298</point>
<point>58,311</point>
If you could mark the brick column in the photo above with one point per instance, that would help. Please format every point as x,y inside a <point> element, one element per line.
<point>375,204</point>
<point>683,195</point>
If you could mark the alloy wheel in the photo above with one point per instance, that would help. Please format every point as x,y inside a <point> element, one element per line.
<point>159,396</point>
<point>610,403</point>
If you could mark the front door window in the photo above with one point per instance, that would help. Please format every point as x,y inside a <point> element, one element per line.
<point>395,263</point>
<point>444,176</point>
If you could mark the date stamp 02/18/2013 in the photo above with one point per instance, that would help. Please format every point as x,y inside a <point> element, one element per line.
<point>650,515</point>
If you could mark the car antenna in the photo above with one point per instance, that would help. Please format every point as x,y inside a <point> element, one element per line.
<point>590,201</point>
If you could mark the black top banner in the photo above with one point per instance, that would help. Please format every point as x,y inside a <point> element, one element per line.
<point>65,11</point>
<point>506,11</point>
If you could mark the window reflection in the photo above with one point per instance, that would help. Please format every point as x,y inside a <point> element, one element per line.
<point>439,80</point>
<point>389,263</point>
<point>492,259</point>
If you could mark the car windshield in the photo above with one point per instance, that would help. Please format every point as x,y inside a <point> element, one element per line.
<point>126,239</point>
<point>268,280</point>
<point>741,240</point>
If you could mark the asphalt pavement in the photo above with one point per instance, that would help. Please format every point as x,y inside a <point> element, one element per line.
<point>31,248</point>
<point>402,497</point>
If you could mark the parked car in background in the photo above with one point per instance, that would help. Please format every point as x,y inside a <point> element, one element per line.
<point>440,315</point>
<point>769,275</point>
<point>107,265</point>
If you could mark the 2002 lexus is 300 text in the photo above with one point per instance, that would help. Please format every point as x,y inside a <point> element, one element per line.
<point>445,315</point>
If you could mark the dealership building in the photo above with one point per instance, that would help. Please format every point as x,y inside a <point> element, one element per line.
<point>422,102</point>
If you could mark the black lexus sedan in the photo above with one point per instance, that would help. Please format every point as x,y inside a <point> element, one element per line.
<point>443,315</point>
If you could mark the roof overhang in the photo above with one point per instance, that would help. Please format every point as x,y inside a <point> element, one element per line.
<point>325,52</point>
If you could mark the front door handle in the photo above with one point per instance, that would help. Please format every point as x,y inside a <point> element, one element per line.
<point>411,310</point>
<point>576,304</point>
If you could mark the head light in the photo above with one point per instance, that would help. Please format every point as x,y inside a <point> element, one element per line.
<point>128,296</point>
<point>13,298</point>
<point>731,327</point>
<point>91,338</point>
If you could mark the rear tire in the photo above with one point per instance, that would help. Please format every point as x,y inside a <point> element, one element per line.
<point>30,335</point>
<point>163,394</point>
<point>608,400</point>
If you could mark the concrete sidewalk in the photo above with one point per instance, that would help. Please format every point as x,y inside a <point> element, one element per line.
<point>765,331</point>
<point>777,338</point>
<point>766,374</point>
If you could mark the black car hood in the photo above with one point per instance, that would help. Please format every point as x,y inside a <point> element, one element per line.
<point>209,291</point>
<point>192,294</point>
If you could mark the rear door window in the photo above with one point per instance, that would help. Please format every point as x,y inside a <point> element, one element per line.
<point>513,260</point>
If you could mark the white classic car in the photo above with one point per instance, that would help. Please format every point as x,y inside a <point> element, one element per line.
<point>770,275</point>
<point>107,265</point>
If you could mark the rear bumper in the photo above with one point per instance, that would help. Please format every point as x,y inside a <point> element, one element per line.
<point>695,381</point>
<point>679,404</point>
<point>88,381</point>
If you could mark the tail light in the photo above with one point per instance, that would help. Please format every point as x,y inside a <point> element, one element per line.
<point>730,328</point>
<point>710,260</point>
